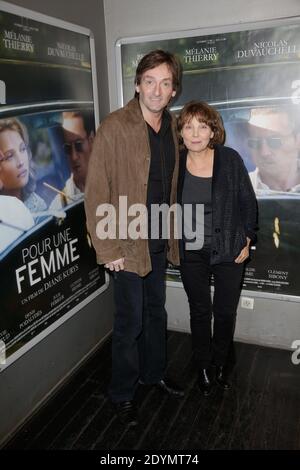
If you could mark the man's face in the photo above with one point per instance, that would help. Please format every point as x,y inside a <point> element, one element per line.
<point>272,142</point>
<point>78,147</point>
<point>155,89</point>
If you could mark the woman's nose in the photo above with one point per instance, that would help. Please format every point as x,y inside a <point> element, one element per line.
<point>19,159</point>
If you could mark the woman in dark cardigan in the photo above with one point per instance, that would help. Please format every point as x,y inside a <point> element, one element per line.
<point>214,176</point>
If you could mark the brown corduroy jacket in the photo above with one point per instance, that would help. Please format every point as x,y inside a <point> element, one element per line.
<point>119,166</point>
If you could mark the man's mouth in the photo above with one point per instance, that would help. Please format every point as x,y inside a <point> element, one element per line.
<point>77,166</point>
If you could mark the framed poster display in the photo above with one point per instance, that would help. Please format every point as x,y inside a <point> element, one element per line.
<point>251,74</point>
<point>48,117</point>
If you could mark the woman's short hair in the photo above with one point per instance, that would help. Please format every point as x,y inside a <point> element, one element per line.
<point>156,58</point>
<point>203,112</point>
<point>13,124</point>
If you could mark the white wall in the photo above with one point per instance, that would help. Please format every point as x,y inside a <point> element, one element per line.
<point>271,322</point>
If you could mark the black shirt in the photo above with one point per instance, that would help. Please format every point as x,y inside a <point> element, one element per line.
<point>160,177</point>
<point>196,190</point>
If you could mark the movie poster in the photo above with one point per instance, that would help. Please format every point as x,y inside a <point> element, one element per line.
<point>47,125</point>
<point>253,78</point>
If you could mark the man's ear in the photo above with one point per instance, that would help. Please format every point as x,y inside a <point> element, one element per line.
<point>173,93</point>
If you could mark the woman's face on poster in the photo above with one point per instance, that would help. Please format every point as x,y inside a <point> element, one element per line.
<point>14,161</point>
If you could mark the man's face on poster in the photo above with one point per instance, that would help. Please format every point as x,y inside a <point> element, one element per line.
<point>77,146</point>
<point>272,142</point>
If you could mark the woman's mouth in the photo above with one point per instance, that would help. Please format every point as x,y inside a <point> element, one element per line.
<point>22,174</point>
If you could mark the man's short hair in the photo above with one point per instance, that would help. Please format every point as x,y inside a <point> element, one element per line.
<point>154,59</point>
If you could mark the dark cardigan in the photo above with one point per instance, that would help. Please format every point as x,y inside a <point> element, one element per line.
<point>234,206</point>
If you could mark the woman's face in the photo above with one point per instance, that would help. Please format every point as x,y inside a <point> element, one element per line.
<point>196,135</point>
<point>14,161</point>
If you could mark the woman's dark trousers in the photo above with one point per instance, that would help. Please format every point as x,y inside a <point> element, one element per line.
<point>211,345</point>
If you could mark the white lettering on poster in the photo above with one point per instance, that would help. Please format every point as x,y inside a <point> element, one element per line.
<point>201,54</point>
<point>45,258</point>
<point>268,48</point>
<point>18,41</point>
<point>66,51</point>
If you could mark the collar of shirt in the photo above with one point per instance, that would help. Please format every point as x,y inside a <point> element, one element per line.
<point>165,124</point>
<point>261,186</point>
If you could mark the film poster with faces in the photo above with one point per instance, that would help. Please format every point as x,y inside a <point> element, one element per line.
<point>253,78</point>
<point>47,264</point>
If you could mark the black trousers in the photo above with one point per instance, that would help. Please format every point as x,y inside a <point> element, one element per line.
<point>211,345</point>
<point>139,333</point>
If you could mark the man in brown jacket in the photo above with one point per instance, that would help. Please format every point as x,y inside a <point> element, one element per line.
<point>135,156</point>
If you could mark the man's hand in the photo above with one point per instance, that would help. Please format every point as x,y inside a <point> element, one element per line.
<point>244,254</point>
<point>117,265</point>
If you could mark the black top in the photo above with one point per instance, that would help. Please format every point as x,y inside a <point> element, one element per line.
<point>196,191</point>
<point>234,207</point>
<point>160,177</point>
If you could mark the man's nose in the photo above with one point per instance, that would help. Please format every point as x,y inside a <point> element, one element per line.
<point>265,149</point>
<point>74,155</point>
<point>157,89</point>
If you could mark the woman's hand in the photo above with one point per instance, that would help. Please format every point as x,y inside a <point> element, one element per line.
<point>117,265</point>
<point>244,254</point>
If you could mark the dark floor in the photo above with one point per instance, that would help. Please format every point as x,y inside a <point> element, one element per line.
<point>261,411</point>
